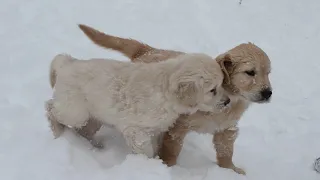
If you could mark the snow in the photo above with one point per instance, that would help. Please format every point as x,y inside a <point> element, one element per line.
<point>277,141</point>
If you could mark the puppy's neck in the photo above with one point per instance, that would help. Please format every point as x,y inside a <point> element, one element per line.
<point>234,94</point>
<point>157,74</point>
<point>238,107</point>
<point>231,89</point>
<point>237,100</point>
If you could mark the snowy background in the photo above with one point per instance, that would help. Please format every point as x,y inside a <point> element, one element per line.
<point>277,141</point>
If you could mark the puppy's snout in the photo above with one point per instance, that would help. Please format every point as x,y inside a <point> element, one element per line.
<point>226,102</point>
<point>266,93</point>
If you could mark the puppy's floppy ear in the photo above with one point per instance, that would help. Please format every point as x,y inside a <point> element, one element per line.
<point>187,93</point>
<point>226,64</point>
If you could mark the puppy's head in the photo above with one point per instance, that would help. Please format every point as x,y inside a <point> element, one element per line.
<point>246,68</point>
<point>196,83</point>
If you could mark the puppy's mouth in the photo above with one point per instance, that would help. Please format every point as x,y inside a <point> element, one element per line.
<point>260,100</point>
<point>264,101</point>
<point>216,108</point>
<point>222,106</point>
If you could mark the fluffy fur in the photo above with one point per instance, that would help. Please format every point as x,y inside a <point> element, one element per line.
<point>246,68</point>
<point>140,100</point>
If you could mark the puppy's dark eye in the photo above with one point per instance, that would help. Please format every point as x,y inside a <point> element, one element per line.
<point>251,73</point>
<point>214,91</point>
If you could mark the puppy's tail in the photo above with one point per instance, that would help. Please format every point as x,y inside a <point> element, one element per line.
<point>57,63</point>
<point>129,47</point>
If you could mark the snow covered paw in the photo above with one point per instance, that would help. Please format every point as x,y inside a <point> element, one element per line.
<point>238,170</point>
<point>97,144</point>
<point>234,168</point>
<point>143,148</point>
<point>56,128</point>
<point>170,163</point>
<point>57,133</point>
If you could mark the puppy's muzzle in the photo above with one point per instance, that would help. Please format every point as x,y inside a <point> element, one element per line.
<point>266,94</point>
<point>226,102</point>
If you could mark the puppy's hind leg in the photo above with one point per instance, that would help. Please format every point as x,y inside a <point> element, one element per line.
<point>56,127</point>
<point>89,130</point>
<point>66,110</point>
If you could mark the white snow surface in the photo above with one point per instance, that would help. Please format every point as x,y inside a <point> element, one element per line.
<point>277,141</point>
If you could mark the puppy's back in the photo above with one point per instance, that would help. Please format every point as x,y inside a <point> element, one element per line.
<point>67,67</point>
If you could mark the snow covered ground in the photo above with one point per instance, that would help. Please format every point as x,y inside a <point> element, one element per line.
<point>277,141</point>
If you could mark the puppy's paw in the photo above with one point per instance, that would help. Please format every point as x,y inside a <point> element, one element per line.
<point>97,144</point>
<point>233,167</point>
<point>57,129</point>
<point>238,170</point>
<point>144,148</point>
<point>149,151</point>
<point>170,163</point>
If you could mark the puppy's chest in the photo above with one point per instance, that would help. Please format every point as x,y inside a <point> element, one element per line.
<point>211,122</point>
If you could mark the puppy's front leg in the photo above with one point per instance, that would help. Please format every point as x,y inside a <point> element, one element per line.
<point>172,143</point>
<point>224,142</point>
<point>139,140</point>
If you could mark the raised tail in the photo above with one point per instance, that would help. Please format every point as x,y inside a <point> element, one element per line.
<point>129,47</point>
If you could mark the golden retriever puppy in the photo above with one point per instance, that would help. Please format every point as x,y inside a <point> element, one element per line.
<point>140,100</point>
<point>246,80</point>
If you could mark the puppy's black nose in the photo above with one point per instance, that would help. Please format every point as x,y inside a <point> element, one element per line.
<point>266,93</point>
<point>226,102</point>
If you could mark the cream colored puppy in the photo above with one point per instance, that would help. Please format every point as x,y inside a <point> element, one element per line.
<point>140,100</point>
